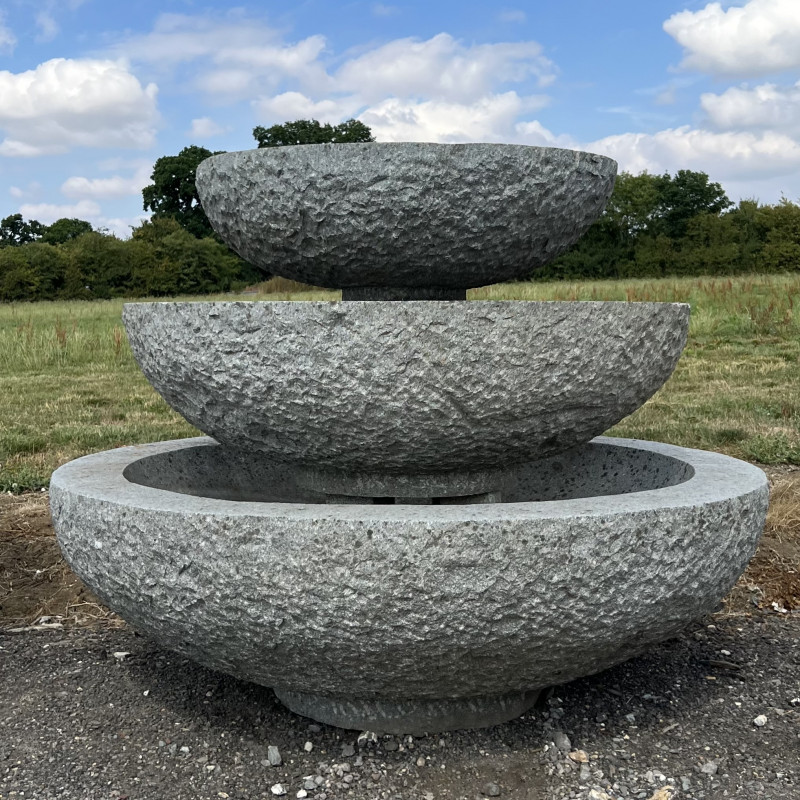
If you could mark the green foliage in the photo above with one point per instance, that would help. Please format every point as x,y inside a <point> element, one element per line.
<point>684,197</point>
<point>161,258</point>
<point>62,230</point>
<point>658,225</point>
<point>173,192</point>
<point>14,231</point>
<point>310,131</point>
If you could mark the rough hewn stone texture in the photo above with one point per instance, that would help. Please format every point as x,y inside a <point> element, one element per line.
<point>404,603</point>
<point>413,387</point>
<point>405,214</point>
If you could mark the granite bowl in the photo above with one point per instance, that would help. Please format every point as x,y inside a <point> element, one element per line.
<point>365,389</point>
<point>403,214</point>
<point>401,618</point>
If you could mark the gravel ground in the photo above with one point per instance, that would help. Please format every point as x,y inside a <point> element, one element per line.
<point>712,714</point>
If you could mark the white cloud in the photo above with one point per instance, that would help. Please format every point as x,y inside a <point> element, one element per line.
<point>442,68</point>
<point>31,191</point>
<point>115,186</point>
<point>295,105</point>
<point>384,10</point>
<point>48,27</point>
<point>88,210</point>
<point>439,89</point>
<point>488,119</point>
<point>180,38</point>
<point>7,39</point>
<point>66,103</point>
<point>13,148</point>
<point>763,107</point>
<point>731,156</point>
<point>47,213</point>
<point>120,226</point>
<point>534,133</point>
<point>757,38</point>
<point>244,55</point>
<point>205,128</point>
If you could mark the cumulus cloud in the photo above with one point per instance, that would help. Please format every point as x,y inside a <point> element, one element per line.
<point>295,105</point>
<point>438,89</point>
<point>763,107</point>
<point>88,210</point>
<point>245,57</point>
<point>237,57</point>
<point>30,192</point>
<point>205,128</point>
<point>442,68</point>
<point>757,38</point>
<point>79,186</point>
<point>487,119</point>
<point>66,103</point>
<point>47,213</point>
<point>727,156</point>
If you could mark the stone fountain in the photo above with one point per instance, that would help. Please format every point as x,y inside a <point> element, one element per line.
<point>405,520</point>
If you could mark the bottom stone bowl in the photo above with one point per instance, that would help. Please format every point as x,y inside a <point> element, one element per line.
<point>408,618</point>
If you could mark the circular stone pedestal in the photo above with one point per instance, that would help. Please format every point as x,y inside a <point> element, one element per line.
<point>402,618</point>
<point>414,717</point>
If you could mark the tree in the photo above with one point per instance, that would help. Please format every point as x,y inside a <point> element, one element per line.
<point>170,261</point>
<point>782,249</point>
<point>62,230</point>
<point>633,204</point>
<point>309,131</point>
<point>17,280</point>
<point>685,196</point>
<point>14,231</point>
<point>173,192</point>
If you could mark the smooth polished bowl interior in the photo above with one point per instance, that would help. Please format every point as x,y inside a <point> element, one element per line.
<point>403,214</point>
<point>365,388</point>
<point>409,618</point>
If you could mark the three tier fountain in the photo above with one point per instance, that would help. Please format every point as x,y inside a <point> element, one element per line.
<point>404,521</point>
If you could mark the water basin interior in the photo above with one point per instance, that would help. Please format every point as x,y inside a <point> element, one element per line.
<point>591,470</point>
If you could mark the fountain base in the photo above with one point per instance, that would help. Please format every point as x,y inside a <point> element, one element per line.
<point>414,717</point>
<point>593,556</point>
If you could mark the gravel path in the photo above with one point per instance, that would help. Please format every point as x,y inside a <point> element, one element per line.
<point>80,720</point>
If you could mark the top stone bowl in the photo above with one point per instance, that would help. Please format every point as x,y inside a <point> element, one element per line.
<point>405,215</point>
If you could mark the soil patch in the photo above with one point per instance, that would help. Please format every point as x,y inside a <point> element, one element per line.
<point>35,581</point>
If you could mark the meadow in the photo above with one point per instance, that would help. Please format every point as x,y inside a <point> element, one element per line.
<point>69,384</point>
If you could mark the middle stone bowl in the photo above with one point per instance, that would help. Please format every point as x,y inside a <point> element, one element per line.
<point>368,389</point>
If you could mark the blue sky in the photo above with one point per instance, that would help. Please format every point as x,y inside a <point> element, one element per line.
<point>92,92</point>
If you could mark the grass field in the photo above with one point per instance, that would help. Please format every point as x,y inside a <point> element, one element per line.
<point>69,385</point>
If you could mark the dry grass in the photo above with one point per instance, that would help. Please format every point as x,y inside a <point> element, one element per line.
<point>772,579</point>
<point>278,288</point>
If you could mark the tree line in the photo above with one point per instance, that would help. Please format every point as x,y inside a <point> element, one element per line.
<point>653,225</point>
<point>663,225</point>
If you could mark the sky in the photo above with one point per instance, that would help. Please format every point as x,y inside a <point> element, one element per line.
<point>92,92</point>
